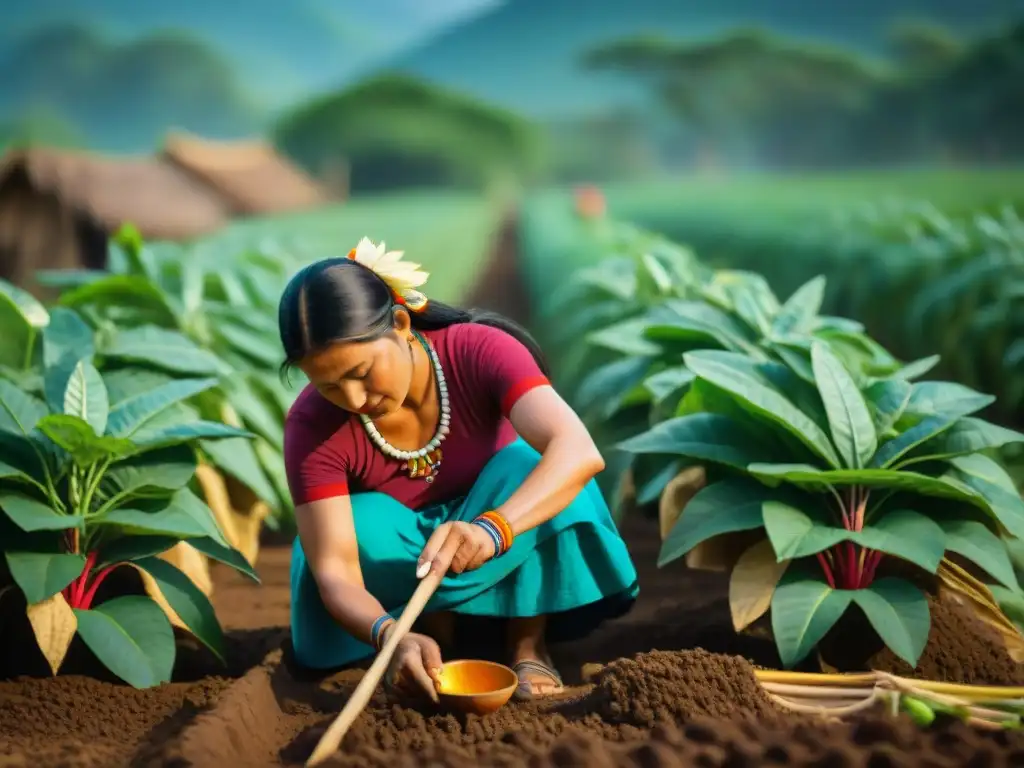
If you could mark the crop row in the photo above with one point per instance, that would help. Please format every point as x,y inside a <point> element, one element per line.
<point>921,279</point>
<point>783,444</point>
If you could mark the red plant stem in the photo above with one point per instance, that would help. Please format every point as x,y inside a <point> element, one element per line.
<point>78,585</point>
<point>91,594</point>
<point>852,577</point>
<point>828,571</point>
<point>872,567</point>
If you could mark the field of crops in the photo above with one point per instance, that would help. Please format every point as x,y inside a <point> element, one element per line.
<point>946,249</point>
<point>785,444</point>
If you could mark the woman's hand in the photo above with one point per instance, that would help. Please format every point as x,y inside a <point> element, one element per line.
<point>457,547</point>
<point>415,665</point>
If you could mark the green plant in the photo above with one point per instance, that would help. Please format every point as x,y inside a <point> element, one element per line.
<point>201,311</point>
<point>650,301</point>
<point>834,475</point>
<point>839,476</point>
<point>95,474</point>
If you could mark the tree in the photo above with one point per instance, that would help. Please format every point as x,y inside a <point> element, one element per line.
<point>749,92</point>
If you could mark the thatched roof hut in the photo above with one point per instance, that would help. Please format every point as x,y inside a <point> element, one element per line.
<point>250,175</point>
<point>58,207</point>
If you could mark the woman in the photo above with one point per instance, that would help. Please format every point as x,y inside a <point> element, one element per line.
<point>430,438</point>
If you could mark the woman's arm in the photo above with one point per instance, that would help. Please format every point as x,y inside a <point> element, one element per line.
<point>569,458</point>
<point>328,536</point>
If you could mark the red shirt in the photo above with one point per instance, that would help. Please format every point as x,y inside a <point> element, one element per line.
<point>328,453</point>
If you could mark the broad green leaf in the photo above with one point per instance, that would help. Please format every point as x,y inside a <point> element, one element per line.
<point>163,349</point>
<point>29,308</point>
<point>86,396</point>
<point>707,436</point>
<point>814,479</point>
<point>800,532</point>
<point>918,368</point>
<point>67,336</point>
<point>946,400</point>
<point>271,458</point>
<point>226,554</point>
<point>853,431</point>
<point>159,470</point>
<point>32,515</point>
<point>43,574</point>
<point>973,539</point>
<point>668,382</point>
<point>237,457</point>
<point>132,381</point>
<point>728,506</point>
<point>132,638</point>
<point>650,485</point>
<point>797,360</point>
<point>183,515</point>
<point>989,480</point>
<point>968,435</point>
<point>626,338</point>
<point>122,291</point>
<point>695,322</point>
<point>257,347</point>
<point>191,605</point>
<point>128,549</point>
<point>29,380</point>
<point>130,414</point>
<point>8,472</point>
<point>898,612</point>
<point>257,409</point>
<point>804,609</point>
<point>892,450</point>
<point>19,411</point>
<point>22,317</point>
<point>78,439</point>
<point>800,309</point>
<point>724,370</point>
<point>887,400</point>
<point>150,437</point>
<point>604,389</point>
<point>68,278</point>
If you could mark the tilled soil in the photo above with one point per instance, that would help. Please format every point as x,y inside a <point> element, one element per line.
<point>669,684</point>
<point>644,703</point>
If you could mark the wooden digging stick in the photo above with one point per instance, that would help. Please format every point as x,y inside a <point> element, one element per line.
<point>360,697</point>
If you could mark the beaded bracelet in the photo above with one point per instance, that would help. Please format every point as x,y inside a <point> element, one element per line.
<point>377,630</point>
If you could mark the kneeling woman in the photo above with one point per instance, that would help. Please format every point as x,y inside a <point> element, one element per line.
<point>431,436</point>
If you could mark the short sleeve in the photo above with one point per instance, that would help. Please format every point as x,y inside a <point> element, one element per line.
<point>315,468</point>
<point>500,364</point>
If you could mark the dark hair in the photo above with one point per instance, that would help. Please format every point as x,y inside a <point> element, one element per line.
<point>340,300</point>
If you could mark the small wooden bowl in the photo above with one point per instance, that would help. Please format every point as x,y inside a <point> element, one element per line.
<point>477,687</point>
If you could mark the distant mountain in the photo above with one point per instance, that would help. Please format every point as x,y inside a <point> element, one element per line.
<point>523,54</point>
<point>124,96</point>
<point>284,51</point>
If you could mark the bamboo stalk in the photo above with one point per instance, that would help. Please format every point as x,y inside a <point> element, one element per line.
<point>814,691</point>
<point>814,678</point>
<point>811,709</point>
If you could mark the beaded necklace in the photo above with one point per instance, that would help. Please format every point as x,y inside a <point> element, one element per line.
<point>426,461</point>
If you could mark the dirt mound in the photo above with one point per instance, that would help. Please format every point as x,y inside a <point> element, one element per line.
<point>673,686</point>
<point>960,649</point>
<point>629,697</point>
<point>82,721</point>
<point>869,743</point>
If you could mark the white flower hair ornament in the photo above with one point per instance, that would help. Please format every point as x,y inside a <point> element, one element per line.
<point>402,277</point>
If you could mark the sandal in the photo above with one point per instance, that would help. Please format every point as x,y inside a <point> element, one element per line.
<point>524,690</point>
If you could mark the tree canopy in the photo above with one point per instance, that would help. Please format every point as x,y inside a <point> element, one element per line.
<point>395,130</point>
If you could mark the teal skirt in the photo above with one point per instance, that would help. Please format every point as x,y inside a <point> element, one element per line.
<point>575,568</point>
